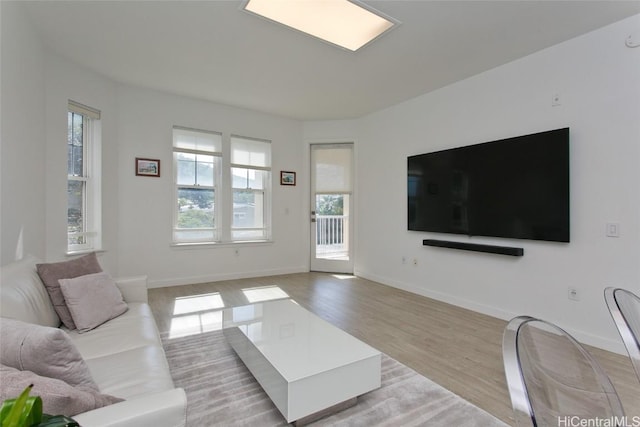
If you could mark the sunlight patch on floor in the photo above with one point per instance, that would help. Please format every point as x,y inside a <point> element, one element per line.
<point>196,303</point>
<point>193,324</point>
<point>196,314</point>
<point>264,293</point>
<point>343,276</point>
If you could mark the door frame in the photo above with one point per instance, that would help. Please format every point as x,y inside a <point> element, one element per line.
<point>323,265</point>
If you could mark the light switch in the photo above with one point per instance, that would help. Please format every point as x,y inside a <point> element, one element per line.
<point>613,229</point>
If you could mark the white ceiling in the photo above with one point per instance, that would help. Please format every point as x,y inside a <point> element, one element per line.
<point>214,51</point>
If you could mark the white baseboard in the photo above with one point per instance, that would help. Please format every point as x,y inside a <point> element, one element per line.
<point>439,296</point>
<point>582,336</point>
<point>178,281</point>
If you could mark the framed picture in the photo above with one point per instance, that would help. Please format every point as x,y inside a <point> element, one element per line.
<point>147,167</point>
<point>287,178</point>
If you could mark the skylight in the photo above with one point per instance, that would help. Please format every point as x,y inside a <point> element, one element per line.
<point>340,22</point>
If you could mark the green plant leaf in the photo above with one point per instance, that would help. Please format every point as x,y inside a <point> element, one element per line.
<point>33,410</point>
<point>24,411</point>
<point>57,421</point>
<point>17,415</point>
<point>6,408</point>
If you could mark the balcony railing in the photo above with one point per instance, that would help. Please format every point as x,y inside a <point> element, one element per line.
<point>332,239</point>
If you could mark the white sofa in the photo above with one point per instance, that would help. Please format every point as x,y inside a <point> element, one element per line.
<point>124,355</point>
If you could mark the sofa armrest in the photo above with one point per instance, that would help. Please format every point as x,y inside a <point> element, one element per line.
<point>164,409</point>
<point>134,289</point>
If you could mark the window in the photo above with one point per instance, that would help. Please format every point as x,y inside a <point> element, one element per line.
<point>83,178</point>
<point>222,187</point>
<point>196,156</point>
<point>250,181</point>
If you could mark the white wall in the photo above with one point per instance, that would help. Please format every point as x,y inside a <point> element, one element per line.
<point>22,153</point>
<point>137,211</point>
<point>36,87</point>
<point>598,79</point>
<point>64,81</point>
<point>145,204</point>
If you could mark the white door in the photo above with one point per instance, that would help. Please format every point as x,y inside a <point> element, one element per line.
<point>331,207</point>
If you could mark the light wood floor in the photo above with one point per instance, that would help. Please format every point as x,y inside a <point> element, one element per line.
<point>457,348</point>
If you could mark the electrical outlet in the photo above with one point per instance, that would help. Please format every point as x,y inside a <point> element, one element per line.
<point>573,294</point>
<point>415,262</point>
<point>404,260</point>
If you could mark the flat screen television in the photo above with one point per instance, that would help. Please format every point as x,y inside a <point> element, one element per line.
<point>515,188</point>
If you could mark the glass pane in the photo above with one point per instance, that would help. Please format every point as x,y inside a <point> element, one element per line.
<point>75,165</point>
<point>240,178</point>
<point>195,208</point>
<point>69,143</point>
<point>330,204</point>
<point>248,209</point>
<point>194,235</point>
<point>332,226</point>
<point>195,169</point>
<point>186,164</point>
<point>204,170</point>
<point>248,178</point>
<point>75,211</point>
<point>248,234</point>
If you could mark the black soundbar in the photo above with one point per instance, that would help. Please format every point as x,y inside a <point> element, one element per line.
<point>501,250</point>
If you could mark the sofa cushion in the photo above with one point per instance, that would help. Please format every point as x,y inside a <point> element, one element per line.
<point>92,300</point>
<point>57,396</point>
<point>133,373</point>
<point>133,329</point>
<point>45,351</point>
<point>51,273</point>
<point>125,354</point>
<point>22,295</point>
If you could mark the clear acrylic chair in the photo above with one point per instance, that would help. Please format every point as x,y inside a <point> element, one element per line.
<point>624,307</point>
<point>552,378</point>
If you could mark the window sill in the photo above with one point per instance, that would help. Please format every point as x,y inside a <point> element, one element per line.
<point>84,252</point>
<point>209,245</point>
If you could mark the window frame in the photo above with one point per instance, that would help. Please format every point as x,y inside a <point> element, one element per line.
<point>266,192</point>
<point>217,168</point>
<point>91,209</point>
<point>224,232</point>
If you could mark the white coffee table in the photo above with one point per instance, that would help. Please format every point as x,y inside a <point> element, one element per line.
<point>306,365</point>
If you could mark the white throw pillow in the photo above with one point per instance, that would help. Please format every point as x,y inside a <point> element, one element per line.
<point>92,300</point>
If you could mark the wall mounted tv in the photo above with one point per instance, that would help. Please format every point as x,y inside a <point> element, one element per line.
<point>514,188</point>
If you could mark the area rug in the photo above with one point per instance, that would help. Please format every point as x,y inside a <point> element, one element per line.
<point>222,392</point>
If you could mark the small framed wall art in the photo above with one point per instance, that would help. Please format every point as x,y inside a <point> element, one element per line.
<point>147,167</point>
<point>287,178</point>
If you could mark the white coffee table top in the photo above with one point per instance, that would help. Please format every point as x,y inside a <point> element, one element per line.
<point>296,342</point>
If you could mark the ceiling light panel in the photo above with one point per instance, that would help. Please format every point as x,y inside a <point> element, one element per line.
<point>340,22</point>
